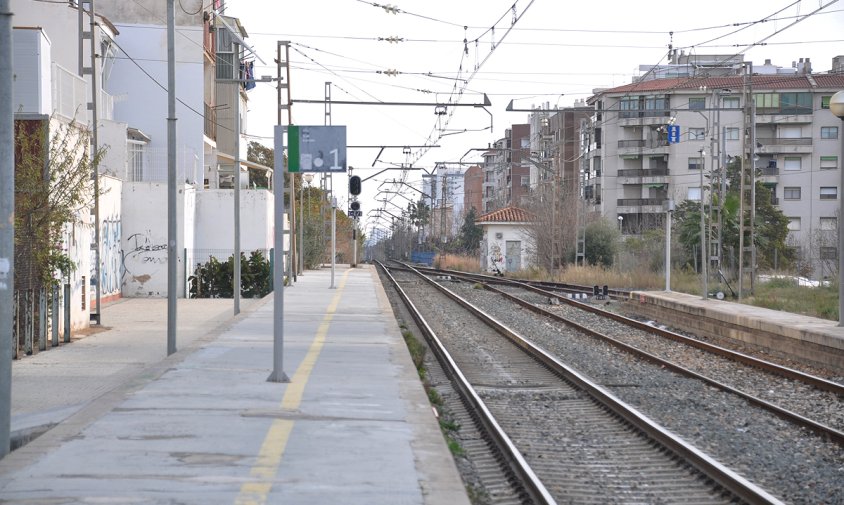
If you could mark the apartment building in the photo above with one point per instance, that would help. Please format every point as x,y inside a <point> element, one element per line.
<point>130,79</point>
<point>632,166</point>
<point>507,169</point>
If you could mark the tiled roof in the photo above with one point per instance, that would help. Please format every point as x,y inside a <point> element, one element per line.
<point>735,83</point>
<point>506,215</point>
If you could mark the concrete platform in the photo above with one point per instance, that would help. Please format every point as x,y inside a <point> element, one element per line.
<point>352,426</point>
<point>812,340</point>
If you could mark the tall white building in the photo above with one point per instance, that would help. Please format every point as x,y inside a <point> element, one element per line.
<point>632,167</point>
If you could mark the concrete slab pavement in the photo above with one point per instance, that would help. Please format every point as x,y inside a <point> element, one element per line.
<point>353,425</point>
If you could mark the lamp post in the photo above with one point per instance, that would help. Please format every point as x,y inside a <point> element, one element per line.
<point>836,105</point>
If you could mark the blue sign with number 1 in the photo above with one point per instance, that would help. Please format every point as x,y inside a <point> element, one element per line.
<point>673,134</point>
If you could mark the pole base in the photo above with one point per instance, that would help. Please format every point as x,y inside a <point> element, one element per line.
<point>278,377</point>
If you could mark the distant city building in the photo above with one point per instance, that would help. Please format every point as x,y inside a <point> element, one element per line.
<point>631,168</point>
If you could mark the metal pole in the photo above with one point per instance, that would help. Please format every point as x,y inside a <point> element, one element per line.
<point>172,259</point>
<point>278,374</point>
<point>236,262</point>
<point>703,259</point>
<point>301,262</point>
<point>841,221</point>
<point>333,237</point>
<point>7,228</point>
<point>670,207</point>
<point>94,149</point>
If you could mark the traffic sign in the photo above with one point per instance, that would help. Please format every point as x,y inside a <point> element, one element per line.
<point>355,213</point>
<point>673,134</point>
<point>317,149</point>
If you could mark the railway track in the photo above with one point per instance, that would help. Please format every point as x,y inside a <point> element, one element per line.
<point>803,399</point>
<point>575,437</point>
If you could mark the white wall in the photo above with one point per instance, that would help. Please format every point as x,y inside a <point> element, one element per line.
<point>496,248</point>
<point>145,237</point>
<point>31,92</point>
<point>142,104</point>
<point>111,227</point>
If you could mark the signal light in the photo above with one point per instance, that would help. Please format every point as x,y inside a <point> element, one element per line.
<point>354,185</point>
<point>355,205</point>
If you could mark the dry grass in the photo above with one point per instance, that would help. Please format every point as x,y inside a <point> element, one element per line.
<point>456,262</point>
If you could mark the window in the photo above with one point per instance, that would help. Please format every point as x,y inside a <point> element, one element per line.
<point>825,102</point>
<point>829,223</point>
<point>656,106</point>
<point>629,107</point>
<point>796,103</point>
<point>791,192</point>
<point>794,224</point>
<point>136,160</point>
<point>225,55</point>
<point>697,134</point>
<point>829,253</point>
<point>697,103</point>
<point>695,163</point>
<point>829,193</point>
<point>790,132</point>
<point>732,134</point>
<point>526,181</point>
<point>829,132</point>
<point>792,163</point>
<point>731,102</point>
<point>767,100</point>
<point>829,162</point>
<point>694,194</point>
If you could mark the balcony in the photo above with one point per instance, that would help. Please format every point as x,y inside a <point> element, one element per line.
<point>802,145</point>
<point>639,147</point>
<point>640,205</point>
<point>776,116</point>
<point>643,176</point>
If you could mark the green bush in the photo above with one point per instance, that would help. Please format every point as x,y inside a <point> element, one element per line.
<point>214,279</point>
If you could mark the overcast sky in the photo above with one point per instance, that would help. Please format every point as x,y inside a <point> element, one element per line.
<point>556,52</point>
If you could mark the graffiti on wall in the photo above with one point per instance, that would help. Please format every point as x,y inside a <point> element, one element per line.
<point>143,250</point>
<point>496,259</point>
<point>111,264</point>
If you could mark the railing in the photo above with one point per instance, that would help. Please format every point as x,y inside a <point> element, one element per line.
<point>631,143</point>
<point>36,319</point>
<point>70,94</point>
<point>802,141</point>
<point>769,171</point>
<point>210,122</point>
<point>153,167</point>
<point>640,143</point>
<point>638,202</point>
<point>642,172</point>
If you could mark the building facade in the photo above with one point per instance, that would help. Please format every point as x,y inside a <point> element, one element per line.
<point>780,120</point>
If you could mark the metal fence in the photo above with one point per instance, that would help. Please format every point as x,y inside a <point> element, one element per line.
<point>36,319</point>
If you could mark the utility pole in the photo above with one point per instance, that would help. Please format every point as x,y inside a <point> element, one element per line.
<point>172,259</point>
<point>7,225</point>
<point>91,36</point>
<point>285,103</point>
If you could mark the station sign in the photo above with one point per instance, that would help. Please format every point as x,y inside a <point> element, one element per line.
<point>316,149</point>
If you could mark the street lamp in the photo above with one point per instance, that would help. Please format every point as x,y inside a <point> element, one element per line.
<point>836,105</point>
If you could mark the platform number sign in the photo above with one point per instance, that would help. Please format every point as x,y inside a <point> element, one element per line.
<point>316,149</point>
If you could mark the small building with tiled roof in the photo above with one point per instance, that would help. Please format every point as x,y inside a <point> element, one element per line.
<point>506,245</point>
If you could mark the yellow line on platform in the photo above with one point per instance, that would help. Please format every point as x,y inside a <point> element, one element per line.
<point>264,470</point>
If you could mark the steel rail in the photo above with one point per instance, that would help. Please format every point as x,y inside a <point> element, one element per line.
<point>790,373</point>
<point>725,477</point>
<point>788,415</point>
<point>516,462</point>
